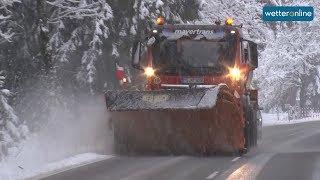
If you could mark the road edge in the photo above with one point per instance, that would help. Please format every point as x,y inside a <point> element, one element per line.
<point>67,168</point>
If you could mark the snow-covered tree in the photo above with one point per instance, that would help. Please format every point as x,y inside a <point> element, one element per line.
<point>289,62</point>
<point>12,129</point>
<point>74,44</point>
<point>248,13</point>
<point>99,33</point>
<point>6,25</point>
<point>88,22</point>
<point>59,46</point>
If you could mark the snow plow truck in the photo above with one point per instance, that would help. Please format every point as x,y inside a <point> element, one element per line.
<point>197,98</point>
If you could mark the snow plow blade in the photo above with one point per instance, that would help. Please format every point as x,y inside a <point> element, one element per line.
<point>176,121</point>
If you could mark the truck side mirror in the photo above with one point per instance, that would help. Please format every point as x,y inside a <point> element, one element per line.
<point>135,56</point>
<point>245,49</point>
<point>253,54</point>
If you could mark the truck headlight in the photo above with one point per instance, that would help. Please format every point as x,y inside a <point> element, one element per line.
<point>149,71</point>
<point>235,73</point>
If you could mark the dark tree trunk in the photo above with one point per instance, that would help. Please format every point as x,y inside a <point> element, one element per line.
<point>43,37</point>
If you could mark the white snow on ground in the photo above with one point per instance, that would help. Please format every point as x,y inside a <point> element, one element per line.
<point>269,119</point>
<point>66,134</point>
<point>13,171</point>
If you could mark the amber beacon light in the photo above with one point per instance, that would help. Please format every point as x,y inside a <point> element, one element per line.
<point>160,21</point>
<point>229,22</point>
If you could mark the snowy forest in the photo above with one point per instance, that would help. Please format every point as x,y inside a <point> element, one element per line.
<point>54,51</point>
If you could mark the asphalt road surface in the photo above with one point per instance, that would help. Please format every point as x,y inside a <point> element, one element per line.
<point>285,152</point>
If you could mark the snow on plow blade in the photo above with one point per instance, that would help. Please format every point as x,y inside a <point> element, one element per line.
<point>161,99</point>
<point>178,121</point>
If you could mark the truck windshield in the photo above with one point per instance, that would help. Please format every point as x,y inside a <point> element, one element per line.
<point>197,56</point>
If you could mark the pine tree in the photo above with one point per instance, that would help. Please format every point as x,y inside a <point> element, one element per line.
<point>6,26</point>
<point>12,129</point>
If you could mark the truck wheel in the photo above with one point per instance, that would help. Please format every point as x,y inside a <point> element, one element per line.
<point>254,127</point>
<point>247,128</point>
<point>253,122</point>
<point>249,134</point>
<point>255,132</point>
<point>251,126</point>
<point>241,152</point>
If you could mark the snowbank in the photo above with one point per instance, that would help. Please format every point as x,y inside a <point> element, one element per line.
<point>65,133</point>
<point>13,170</point>
<point>269,119</point>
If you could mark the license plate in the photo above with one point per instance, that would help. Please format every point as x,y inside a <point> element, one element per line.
<point>192,80</point>
<point>155,98</point>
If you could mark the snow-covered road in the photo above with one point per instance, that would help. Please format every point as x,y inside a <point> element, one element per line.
<point>269,119</point>
<point>12,170</point>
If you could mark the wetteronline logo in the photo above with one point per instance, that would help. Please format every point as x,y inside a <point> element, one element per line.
<point>288,13</point>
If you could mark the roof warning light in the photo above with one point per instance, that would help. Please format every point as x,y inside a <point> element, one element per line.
<point>160,21</point>
<point>229,22</point>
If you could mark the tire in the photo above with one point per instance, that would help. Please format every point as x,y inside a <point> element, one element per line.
<point>254,127</point>
<point>247,135</point>
<point>251,132</point>
<point>255,131</point>
<point>247,128</point>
